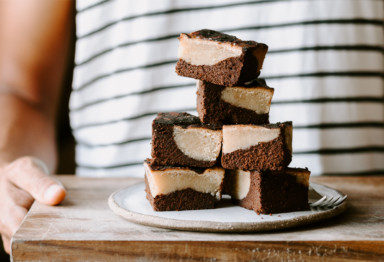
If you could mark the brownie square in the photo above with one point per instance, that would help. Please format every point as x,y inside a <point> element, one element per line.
<point>219,58</point>
<point>179,139</point>
<point>182,188</point>
<point>268,191</point>
<point>257,147</point>
<point>248,104</point>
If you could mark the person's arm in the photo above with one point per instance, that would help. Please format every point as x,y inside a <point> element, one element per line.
<point>34,41</point>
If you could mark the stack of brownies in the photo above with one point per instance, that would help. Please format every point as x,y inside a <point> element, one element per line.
<point>231,148</point>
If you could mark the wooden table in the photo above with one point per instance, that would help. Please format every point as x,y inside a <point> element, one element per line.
<point>83,228</point>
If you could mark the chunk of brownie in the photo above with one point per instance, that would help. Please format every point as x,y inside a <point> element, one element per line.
<point>269,192</point>
<point>179,139</point>
<point>234,105</point>
<point>182,188</point>
<point>219,58</point>
<point>254,147</point>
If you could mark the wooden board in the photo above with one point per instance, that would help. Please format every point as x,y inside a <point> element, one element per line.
<point>84,228</point>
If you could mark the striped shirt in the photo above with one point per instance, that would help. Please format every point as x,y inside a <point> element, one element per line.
<point>325,62</point>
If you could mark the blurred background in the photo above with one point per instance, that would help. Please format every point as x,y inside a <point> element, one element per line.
<point>65,140</point>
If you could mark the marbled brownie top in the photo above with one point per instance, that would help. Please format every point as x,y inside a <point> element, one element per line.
<point>182,119</point>
<point>221,37</point>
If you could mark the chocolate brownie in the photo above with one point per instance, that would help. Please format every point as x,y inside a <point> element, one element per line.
<point>234,105</point>
<point>270,191</point>
<point>179,139</point>
<point>254,147</point>
<point>219,58</point>
<point>182,188</point>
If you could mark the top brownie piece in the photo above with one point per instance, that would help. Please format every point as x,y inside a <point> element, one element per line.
<point>219,58</point>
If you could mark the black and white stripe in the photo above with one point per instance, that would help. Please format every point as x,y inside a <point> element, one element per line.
<point>325,62</point>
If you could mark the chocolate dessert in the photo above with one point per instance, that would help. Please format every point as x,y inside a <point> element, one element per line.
<point>269,192</point>
<point>219,58</point>
<point>182,188</point>
<point>179,139</point>
<point>234,105</point>
<point>233,126</point>
<point>254,147</point>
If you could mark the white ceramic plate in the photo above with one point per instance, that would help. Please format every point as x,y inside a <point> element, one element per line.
<point>131,204</point>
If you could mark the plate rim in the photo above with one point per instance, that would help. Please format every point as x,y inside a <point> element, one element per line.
<point>214,226</point>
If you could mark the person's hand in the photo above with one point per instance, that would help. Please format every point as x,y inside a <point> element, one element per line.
<point>21,182</point>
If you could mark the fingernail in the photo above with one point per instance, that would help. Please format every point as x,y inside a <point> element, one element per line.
<point>53,192</point>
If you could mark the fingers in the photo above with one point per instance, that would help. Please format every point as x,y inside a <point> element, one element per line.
<point>21,182</point>
<point>9,225</point>
<point>6,244</point>
<point>30,174</point>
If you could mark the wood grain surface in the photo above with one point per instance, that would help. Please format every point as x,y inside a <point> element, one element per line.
<point>83,228</point>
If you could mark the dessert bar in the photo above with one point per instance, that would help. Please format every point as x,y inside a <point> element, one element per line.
<point>219,58</point>
<point>179,139</point>
<point>269,192</point>
<point>255,147</point>
<point>234,105</point>
<point>182,188</point>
